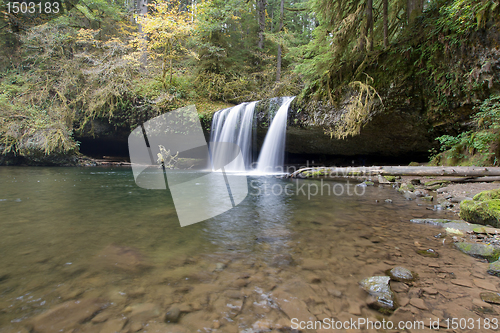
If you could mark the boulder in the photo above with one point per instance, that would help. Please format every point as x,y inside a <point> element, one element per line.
<point>481,212</point>
<point>479,250</point>
<point>378,287</point>
<point>488,195</point>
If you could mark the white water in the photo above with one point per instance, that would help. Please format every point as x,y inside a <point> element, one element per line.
<point>235,125</point>
<point>272,154</point>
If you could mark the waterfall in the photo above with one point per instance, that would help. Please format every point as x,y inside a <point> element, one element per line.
<point>272,154</point>
<point>235,125</point>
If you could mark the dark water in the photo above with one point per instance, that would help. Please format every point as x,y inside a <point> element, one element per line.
<point>54,222</point>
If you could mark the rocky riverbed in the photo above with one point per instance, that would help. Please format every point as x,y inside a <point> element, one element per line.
<point>306,268</point>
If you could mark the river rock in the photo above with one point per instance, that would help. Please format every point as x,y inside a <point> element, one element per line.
<point>378,287</point>
<point>401,274</point>
<point>172,315</point>
<point>494,268</point>
<point>67,315</point>
<point>291,306</point>
<point>282,260</point>
<point>122,258</point>
<point>313,264</point>
<point>142,312</point>
<point>428,253</point>
<point>113,325</point>
<point>479,250</point>
<point>488,297</point>
<point>481,212</point>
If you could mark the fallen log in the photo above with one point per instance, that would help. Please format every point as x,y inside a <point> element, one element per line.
<point>399,171</point>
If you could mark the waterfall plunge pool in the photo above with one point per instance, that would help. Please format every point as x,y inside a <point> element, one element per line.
<point>80,233</point>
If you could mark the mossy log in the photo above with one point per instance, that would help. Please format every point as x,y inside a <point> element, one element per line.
<point>469,172</point>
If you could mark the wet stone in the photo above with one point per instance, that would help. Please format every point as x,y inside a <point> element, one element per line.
<point>494,268</point>
<point>142,312</point>
<point>234,294</point>
<point>418,303</point>
<point>478,250</point>
<point>135,327</point>
<point>462,282</point>
<point>401,274</point>
<point>172,315</point>
<point>378,288</point>
<point>122,258</point>
<point>282,260</point>
<point>113,325</point>
<point>484,284</point>
<point>219,266</point>
<point>313,264</point>
<point>488,297</point>
<point>430,253</point>
<point>65,316</point>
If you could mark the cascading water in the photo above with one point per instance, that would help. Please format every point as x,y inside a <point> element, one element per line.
<point>272,154</point>
<point>235,125</point>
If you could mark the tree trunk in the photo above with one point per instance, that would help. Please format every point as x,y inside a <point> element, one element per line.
<point>369,23</point>
<point>261,16</point>
<point>413,9</point>
<point>278,66</point>
<point>404,171</point>
<point>386,22</point>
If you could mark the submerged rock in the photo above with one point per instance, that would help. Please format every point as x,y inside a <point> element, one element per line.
<point>428,253</point>
<point>66,316</point>
<point>122,258</point>
<point>378,287</point>
<point>172,316</point>
<point>494,268</point>
<point>282,260</point>
<point>401,274</point>
<point>490,297</point>
<point>478,250</point>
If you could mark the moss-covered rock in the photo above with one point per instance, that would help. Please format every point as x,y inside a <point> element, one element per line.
<point>481,212</point>
<point>488,195</point>
<point>482,251</point>
<point>494,269</point>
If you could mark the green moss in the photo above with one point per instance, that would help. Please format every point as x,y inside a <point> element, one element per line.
<point>391,179</point>
<point>481,212</point>
<point>406,187</point>
<point>414,164</point>
<point>488,195</point>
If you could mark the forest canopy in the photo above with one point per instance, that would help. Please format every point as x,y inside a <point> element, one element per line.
<point>126,61</point>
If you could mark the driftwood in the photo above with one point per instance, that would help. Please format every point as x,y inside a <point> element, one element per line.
<point>468,174</point>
